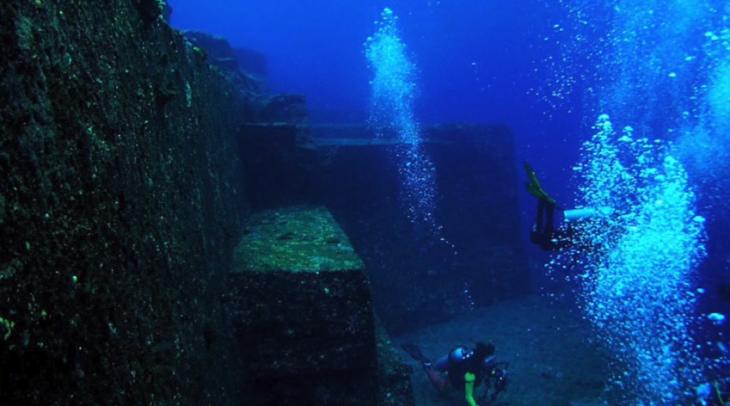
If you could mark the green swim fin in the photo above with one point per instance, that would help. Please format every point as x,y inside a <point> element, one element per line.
<point>533,186</point>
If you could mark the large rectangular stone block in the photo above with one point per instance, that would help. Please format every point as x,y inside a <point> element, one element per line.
<point>301,306</point>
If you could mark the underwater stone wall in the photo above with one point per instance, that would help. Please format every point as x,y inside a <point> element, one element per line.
<point>417,279</point>
<point>120,205</point>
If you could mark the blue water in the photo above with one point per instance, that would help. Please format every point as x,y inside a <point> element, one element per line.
<point>616,103</point>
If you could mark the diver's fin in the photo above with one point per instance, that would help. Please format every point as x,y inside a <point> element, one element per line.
<point>534,185</point>
<point>415,352</point>
<point>533,191</point>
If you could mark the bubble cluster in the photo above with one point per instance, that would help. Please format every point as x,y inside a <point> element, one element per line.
<point>665,68</point>
<point>637,59</point>
<point>391,116</point>
<point>637,288</point>
<point>703,144</point>
<point>577,27</point>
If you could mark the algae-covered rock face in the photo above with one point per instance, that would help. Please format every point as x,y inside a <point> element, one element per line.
<point>119,208</point>
<point>299,239</point>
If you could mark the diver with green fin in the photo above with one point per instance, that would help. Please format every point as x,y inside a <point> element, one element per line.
<point>543,233</point>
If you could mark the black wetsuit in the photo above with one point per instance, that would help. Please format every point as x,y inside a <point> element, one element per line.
<point>544,233</point>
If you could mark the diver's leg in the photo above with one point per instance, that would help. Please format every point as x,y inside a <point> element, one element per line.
<point>550,223</point>
<point>435,379</point>
<point>440,365</point>
<point>552,238</point>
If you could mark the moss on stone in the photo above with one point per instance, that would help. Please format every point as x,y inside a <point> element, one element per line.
<point>298,239</point>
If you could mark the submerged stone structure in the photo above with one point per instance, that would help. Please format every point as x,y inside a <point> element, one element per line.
<point>120,204</point>
<point>416,277</point>
<point>300,303</point>
<point>131,268</point>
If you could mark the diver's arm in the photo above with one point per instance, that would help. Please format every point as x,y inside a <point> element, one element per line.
<point>469,379</point>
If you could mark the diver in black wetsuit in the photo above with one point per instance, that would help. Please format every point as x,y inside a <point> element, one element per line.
<point>543,232</point>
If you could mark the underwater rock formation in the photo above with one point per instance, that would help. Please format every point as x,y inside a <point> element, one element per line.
<point>416,278</point>
<point>120,206</point>
<point>123,200</point>
<point>300,304</point>
<point>246,69</point>
<point>243,67</point>
<point>284,168</point>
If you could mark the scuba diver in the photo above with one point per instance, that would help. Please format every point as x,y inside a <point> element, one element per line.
<point>543,233</point>
<point>465,370</point>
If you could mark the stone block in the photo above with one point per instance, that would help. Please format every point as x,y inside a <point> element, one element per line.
<point>301,308</point>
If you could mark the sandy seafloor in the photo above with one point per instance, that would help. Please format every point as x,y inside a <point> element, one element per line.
<point>547,342</point>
